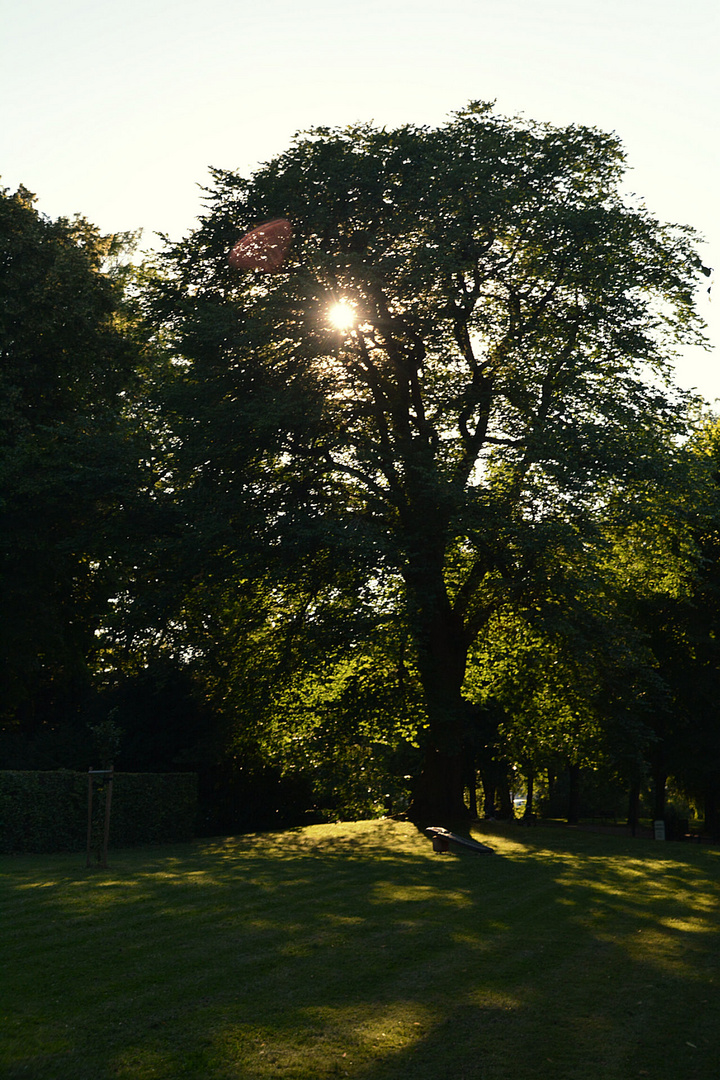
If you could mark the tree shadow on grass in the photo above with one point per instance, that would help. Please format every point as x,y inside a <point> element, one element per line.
<point>354,950</point>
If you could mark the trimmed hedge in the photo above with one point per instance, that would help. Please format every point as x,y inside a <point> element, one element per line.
<point>43,812</point>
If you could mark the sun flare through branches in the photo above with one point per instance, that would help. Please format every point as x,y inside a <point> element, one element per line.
<point>342,315</point>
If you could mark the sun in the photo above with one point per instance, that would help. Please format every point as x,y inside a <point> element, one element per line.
<point>342,315</point>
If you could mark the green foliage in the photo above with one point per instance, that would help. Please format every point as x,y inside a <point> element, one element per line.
<point>69,456</point>
<point>153,808</point>
<point>351,729</point>
<point>672,554</point>
<point>577,688</point>
<point>107,737</point>
<point>47,811</point>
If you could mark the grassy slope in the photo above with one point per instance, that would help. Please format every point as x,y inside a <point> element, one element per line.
<point>353,950</point>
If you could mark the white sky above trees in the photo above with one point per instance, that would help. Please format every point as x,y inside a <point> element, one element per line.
<point>116,109</point>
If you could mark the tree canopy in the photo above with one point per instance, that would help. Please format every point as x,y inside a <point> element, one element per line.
<point>68,466</point>
<point>506,376</point>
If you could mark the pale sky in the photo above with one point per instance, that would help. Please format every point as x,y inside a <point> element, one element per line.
<point>116,109</point>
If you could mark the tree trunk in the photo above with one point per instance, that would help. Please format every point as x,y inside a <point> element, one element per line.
<point>633,807</point>
<point>551,784</point>
<point>574,795</point>
<point>471,782</point>
<point>659,783</point>
<point>530,780</point>
<point>442,658</point>
<point>438,797</point>
<point>711,823</point>
<point>487,775</point>
<point>503,792</point>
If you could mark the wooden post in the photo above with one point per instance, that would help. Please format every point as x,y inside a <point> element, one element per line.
<point>108,798</point>
<point>90,802</point>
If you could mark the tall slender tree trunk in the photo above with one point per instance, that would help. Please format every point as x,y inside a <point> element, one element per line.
<point>711,823</point>
<point>551,787</point>
<point>487,775</point>
<point>574,795</point>
<point>634,806</point>
<point>659,776</point>
<point>530,780</point>
<point>503,791</point>
<point>471,783</point>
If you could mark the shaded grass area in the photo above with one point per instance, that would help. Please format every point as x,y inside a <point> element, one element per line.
<point>353,950</point>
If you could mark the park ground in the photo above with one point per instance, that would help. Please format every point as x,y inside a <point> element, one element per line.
<point>352,949</point>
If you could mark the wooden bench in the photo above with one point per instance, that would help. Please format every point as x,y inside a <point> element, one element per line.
<point>442,838</point>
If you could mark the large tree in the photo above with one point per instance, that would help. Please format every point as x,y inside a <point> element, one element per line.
<point>514,316</point>
<point>68,463</point>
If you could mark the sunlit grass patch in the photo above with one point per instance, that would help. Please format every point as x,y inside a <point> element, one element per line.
<point>354,950</point>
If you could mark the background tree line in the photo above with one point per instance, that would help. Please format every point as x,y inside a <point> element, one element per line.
<point>350,571</point>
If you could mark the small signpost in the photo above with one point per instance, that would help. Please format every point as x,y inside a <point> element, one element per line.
<point>659,829</point>
<point>106,829</point>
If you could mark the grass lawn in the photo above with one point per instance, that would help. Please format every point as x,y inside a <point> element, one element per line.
<point>353,950</point>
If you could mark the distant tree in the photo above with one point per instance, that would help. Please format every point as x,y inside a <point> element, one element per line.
<point>68,458</point>
<point>669,554</point>
<point>508,362</point>
<point>575,680</point>
<point>699,769</point>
